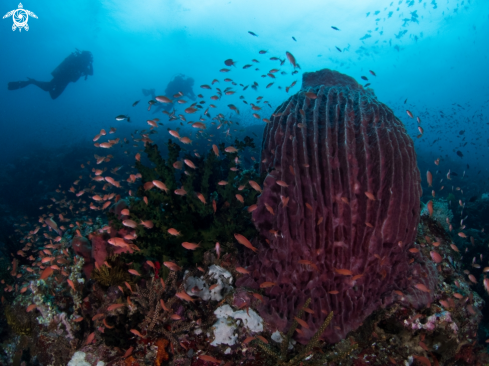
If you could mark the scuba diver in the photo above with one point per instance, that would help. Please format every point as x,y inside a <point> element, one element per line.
<point>178,84</point>
<point>75,65</point>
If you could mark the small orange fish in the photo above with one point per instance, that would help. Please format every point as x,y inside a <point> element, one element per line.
<point>344,272</point>
<point>31,307</point>
<point>430,207</point>
<point>134,272</point>
<point>270,209</point>
<point>267,284</point>
<point>128,352</point>
<point>130,223</point>
<point>255,186</point>
<point>429,178</point>
<point>334,292</point>
<point>98,316</point>
<point>437,258</point>
<point>184,296</point>
<point>258,296</point>
<point>90,338</point>
<point>370,196</point>
<point>242,270</point>
<point>190,163</point>
<point>172,266</point>
<point>48,271</point>
<point>201,197</point>
<point>218,249</point>
<point>301,322</point>
<point>173,231</point>
<point>422,287</point>
<point>242,240</point>
<point>291,59</point>
<point>190,246</point>
<point>115,306</point>
<point>136,332</point>
<point>160,185</point>
<point>254,207</point>
<point>231,149</point>
<point>472,278</point>
<point>209,359</point>
<point>72,285</point>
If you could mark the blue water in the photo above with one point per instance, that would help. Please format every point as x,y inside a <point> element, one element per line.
<point>433,53</point>
<point>429,57</point>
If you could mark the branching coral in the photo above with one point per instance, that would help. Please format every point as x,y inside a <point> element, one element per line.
<point>115,275</point>
<point>165,315</point>
<point>306,356</point>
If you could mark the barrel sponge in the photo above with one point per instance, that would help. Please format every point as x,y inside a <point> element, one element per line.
<point>348,169</point>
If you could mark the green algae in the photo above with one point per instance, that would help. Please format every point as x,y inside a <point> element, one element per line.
<point>195,221</point>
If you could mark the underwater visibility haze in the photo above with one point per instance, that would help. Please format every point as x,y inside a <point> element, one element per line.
<point>244,182</point>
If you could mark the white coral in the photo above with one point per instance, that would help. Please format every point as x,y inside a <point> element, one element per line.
<point>441,211</point>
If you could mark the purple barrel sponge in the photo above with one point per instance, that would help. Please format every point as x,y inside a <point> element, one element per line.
<point>339,210</point>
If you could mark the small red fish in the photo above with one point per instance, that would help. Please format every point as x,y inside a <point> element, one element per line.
<point>242,240</point>
<point>190,246</point>
<point>218,250</point>
<point>184,296</point>
<point>291,59</point>
<point>209,359</point>
<point>72,285</point>
<point>242,270</point>
<point>134,272</point>
<point>115,307</point>
<point>344,272</point>
<point>422,287</point>
<point>437,258</point>
<point>136,332</point>
<point>301,322</point>
<point>172,266</point>
<point>90,338</point>
<point>267,284</point>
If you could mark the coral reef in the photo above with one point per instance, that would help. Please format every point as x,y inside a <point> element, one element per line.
<point>441,212</point>
<point>339,209</point>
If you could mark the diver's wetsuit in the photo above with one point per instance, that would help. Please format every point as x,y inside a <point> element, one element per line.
<point>75,65</point>
<point>178,84</point>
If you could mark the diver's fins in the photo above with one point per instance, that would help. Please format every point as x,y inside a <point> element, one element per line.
<point>147,92</point>
<point>14,85</point>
